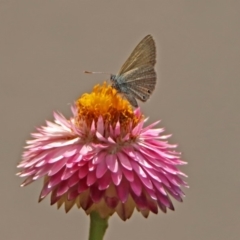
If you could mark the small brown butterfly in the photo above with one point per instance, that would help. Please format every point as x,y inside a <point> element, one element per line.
<point>137,78</point>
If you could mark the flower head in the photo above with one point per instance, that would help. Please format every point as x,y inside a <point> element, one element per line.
<point>103,159</point>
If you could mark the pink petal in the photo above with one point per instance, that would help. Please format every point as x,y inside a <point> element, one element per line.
<point>54,197</point>
<point>27,181</point>
<point>99,157</point>
<point>147,182</point>
<point>73,194</point>
<point>165,201</point>
<point>117,129</point>
<point>82,186</point>
<point>45,191</point>
<point>140,200</point>
<point>56,155</point>
<point>100,137</point>
<point>60,143</point>
<point>101,169</point>
<point>70,151</point>
<point>175,195</point>
<point>139,157</point>
<point>37,158</point>
<point>104,181</point>
<point>85,149</point>
<point>96,194</point>
<point>128,174</point>
<point>136,186</point>
<point>93,127</point>
<point>139,171</point>
<point>27,172</point>
<point>73,180</point>
<point>159,188</point>
<point>152,205</point>
<point>57,167</point>
<point>100,125</point>
<point>68,172</point>
<point>153,174</point>
<point>62,188</point>
<point>55,179</point>
<point>123,190</point>
<point>91,178</point>
<point>151,193</point>
<point>111,141</point>
<point>42,172</point>
<point>124,160</point>
<point>112,162</point>
<point>40,164</point>
<point>137,129</point>
<point>117,177</point>
<point>150,126</point>
<point>83,171</point>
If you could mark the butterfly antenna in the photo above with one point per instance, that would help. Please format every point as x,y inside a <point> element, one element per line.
<point>88,72</point>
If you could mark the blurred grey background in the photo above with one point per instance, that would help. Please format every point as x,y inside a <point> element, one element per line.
<point>44,48</point>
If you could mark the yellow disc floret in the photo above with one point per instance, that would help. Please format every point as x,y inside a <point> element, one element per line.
<point>105,101</point>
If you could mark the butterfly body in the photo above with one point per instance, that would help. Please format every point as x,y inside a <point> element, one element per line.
<point>119,83</point>
<point>137,77</point>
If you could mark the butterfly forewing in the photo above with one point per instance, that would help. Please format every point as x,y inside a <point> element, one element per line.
<point>143,54</point>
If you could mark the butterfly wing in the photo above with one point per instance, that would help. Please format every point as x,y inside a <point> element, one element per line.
<point>140,82</point>
<point>143,54</point>
<point>130,97</point>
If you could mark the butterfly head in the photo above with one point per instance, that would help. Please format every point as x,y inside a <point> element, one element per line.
<point>113,80</point>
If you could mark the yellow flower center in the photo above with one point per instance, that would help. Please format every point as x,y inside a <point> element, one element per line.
<point>105,101</point>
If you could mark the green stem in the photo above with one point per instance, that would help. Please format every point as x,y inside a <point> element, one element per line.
<point>98,226</point>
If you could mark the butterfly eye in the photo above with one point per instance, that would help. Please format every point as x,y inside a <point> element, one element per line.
<point>149,91</point>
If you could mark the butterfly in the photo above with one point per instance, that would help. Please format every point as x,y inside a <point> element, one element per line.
<point>137,77</point>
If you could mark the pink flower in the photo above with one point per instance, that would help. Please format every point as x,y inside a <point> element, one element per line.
<point>103,159</point>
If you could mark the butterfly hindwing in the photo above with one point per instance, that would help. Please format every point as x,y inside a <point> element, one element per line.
<point>130,97</point>
<point>140,81</point>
